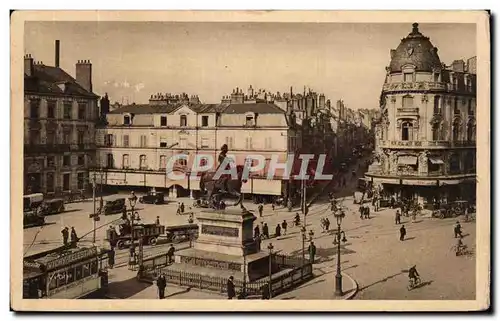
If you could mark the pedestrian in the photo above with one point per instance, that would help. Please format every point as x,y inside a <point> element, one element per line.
<point>458,230</point>
<point>327,224</point>
<point>124,213</point>
<point>402,233</point>
<point>191,218</point>
<point>74,236</point>
<point>65,235</point>
<point>278,231</point>
<point>178,210</point>
<point>393,202</point>
<point>312,251</point>
<point>297,219</point>
<point>265,292</point>
<point>398,217</point>
<point>367,212</point>
<point>284,225</point>
<point>261,209</point>
<point>182,208</point>
<point>161,283</point>
<point>111,257</point>
<point>157,220</point>
<point>361,212</point>
<point>256,231</point>
<point>272,206</point>
<point>231,292</point>
<point>265,231</point>
<point>170,254</point>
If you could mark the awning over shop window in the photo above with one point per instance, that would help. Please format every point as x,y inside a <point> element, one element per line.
<point>407,160</point>
<point>436,160</point>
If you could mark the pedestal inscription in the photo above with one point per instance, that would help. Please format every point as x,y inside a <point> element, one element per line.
<point>219,230</point>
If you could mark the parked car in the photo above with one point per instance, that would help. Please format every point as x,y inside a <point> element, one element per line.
<point>53,206</point>
<point>153,198</point>
<point>114,206</point>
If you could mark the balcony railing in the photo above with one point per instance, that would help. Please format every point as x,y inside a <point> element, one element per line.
<point>426,85</point>
<point>425,144</point>
<point>407,111</point>
<point>46,148</point>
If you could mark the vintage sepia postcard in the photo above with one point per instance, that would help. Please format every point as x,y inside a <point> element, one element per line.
<point>245,160</point>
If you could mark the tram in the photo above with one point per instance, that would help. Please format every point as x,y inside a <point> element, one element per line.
<point>68,272</point>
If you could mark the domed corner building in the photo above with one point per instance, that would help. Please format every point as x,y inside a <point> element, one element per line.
<point>425,146</point>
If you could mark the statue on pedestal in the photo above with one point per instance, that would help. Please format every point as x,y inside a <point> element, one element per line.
<point>225,185</point>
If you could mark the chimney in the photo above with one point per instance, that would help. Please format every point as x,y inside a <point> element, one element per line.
<point>84,74</point>
<point>28,65</point>
<point>104,106</point>
<point>57,54</point>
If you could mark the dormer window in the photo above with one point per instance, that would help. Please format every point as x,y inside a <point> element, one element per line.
<point>408,73</point>
<point>249,121</point>
<point>163,121</point>
<point>127,120</point>
<point>183,120</point>
<point>408,77</point>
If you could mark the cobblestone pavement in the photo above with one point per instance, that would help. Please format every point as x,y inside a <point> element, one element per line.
<point>373,254</point>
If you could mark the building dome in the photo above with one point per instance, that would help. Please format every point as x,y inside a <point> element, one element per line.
<point>416,50</point>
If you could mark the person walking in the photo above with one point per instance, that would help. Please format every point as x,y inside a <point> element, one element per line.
<point>402,233</point>
<point>265,231</point>
<point>312,251</point>
<point>284,225</point>
<point>458,229</point>
<point>265,292</point>
<point>161,283</point>
<point>231,292</point>
<point>111,257</point>
<point>278,231</point>
<point>170,254</point>
<point>398,217</point>
<point>74,236</point>
<point>157,220</point>
<point>327,224</point>
<point>182,208</point>
<point>256,231</point>
<point>367,212</point>
<point>361,212</point>
<point>261,209</point>
<point>65,235</point>
<point>272,206</point>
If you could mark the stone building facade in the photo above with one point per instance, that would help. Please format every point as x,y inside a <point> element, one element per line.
<point>426,136</point>
<point>136,143</point>
<point>60,113</point>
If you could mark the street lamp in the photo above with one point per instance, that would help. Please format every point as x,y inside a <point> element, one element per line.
<point>270,247</point>
<point>132,201</point>
<point>303,233</point>
<point>339,215</point>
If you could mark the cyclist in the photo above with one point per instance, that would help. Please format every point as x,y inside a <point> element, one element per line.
<point>413,274</point>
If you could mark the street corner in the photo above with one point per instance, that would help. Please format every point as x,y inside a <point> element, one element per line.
<point>350,287</point>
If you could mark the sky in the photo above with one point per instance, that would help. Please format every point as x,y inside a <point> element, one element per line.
<point>132,60</point>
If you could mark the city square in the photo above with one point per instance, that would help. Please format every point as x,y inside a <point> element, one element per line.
<point>283,192</point>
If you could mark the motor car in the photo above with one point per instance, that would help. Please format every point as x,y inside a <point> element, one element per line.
<point>153,198</point>
<point>114,206</point>
<point>52,206</point>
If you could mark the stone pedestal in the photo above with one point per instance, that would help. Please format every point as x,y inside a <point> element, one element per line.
<point>227,231</point>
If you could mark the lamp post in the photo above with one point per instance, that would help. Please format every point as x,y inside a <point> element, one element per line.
<point>339,215</point>
<point>132,201</point>
<point>270,247</point>
<point>245,272</point>
<point>93,200</point>
<point>303,233</point>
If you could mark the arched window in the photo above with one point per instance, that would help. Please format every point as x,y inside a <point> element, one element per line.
<point>183,120</point>
<point>125,161</point>
<point>437,106</point>
<point>142,162</point>
<point>455,131</point>
<point>407,130</point>
<point>436,131</point>
<point>471,131</point>
<point>110,161</point>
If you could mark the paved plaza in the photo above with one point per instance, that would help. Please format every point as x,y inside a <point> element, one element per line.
<point>373,254</point>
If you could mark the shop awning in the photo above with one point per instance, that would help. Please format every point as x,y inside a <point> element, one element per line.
<point>407,160</point>
<point>436,160</point>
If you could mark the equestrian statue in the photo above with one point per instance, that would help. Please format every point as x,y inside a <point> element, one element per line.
<point>218,188</point>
